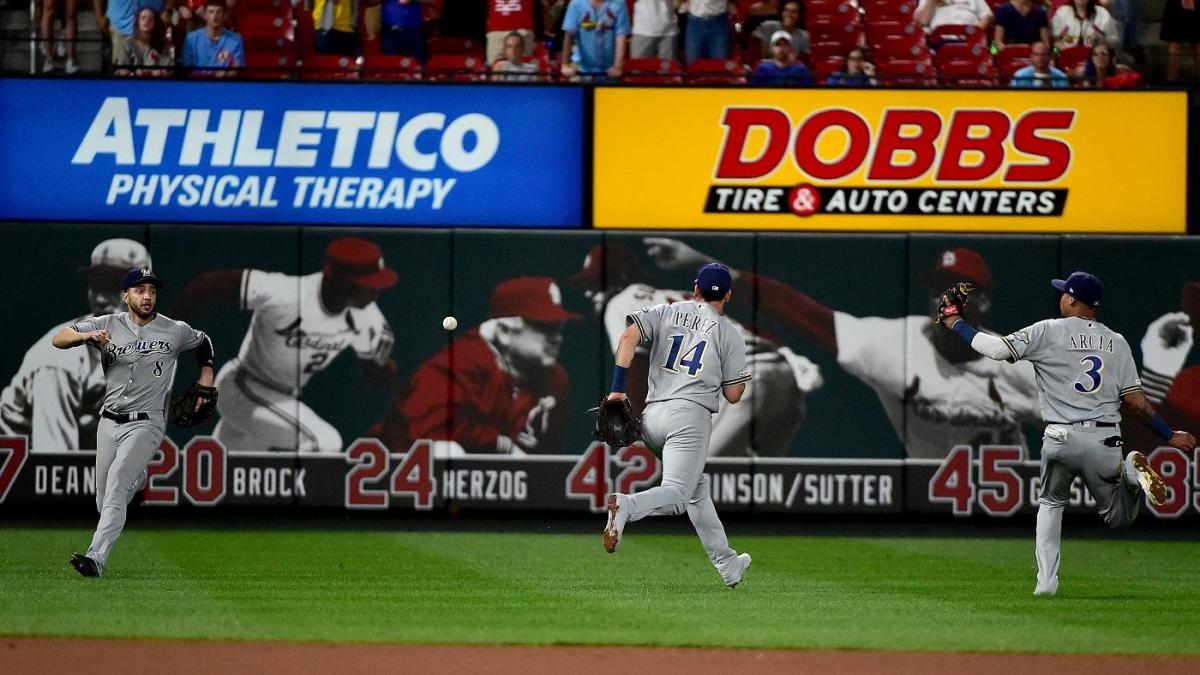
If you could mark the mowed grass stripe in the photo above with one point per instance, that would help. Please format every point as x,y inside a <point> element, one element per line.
<point>822,592</point>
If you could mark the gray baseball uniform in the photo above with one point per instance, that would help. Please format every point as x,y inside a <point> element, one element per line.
<point>694,352</point>
<point>1083,368</point>
<point>139,370</point>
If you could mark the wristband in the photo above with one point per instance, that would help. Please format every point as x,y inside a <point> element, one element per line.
<point>618,383</point>
<point>1158,426</point>
<point>965,330</point>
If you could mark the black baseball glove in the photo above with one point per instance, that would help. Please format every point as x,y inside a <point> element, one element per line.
<point>616,424</point>
<point>954,300</point>
<point>194,406</point>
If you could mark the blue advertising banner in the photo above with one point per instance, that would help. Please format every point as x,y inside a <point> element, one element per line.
<point>291,153</point>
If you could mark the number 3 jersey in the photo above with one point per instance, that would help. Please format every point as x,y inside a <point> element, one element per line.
<point>293,337</point>
<point>1083,368</point>
<point>693,353</point>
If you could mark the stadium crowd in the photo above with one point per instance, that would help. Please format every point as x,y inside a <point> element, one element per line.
<point>1020,43</point>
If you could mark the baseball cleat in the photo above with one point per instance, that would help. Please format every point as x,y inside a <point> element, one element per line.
<point>1152,484</point>
<point>740,565</point>
<point>85,565</point>
<point>618,514</point>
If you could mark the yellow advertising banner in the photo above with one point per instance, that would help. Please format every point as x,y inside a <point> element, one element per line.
<point>943,160</point>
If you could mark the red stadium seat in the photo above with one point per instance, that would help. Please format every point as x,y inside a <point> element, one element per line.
<point>972,52</point>
<point>278,66</point>
<point>897,44</point>
<point>1072,57</point>
<point>817,9</point>
<point>716,71</point>
<point>906,72</point>
<point>456,68</point>
<point>391,68</point>
<point>270,8</point>
<point>846,34</point>
<point>824,68</point>
<point>266,26</point>
<point>1011,59</point>
<point>439,46</point>
<point>950,33</point>
<point>885,9</point>
<point>262,44</point>
<point>968,73</point>
<point>329,67</point>
<point>652,71</point>
<point>823,51</point>
<point>894,26</point>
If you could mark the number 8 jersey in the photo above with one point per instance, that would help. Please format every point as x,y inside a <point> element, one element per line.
<point>1083,368</point>
<point>693,352</point>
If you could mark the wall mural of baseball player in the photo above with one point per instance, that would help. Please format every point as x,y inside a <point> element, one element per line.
<point>936,391</point>
<point>498,388</point>
<point>615,280</point>
<point>298,326</point>
<point>139,349</point>
<point>54,397</point>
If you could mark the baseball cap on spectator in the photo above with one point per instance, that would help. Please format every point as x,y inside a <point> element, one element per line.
<point>713,280</point>
<point>959,264</point>
<point>1082,286</point>
<point>117,255</point>
<point>622,264</point>
<point>138,276</point>
<point>781,35</point>
<point>535,299</point>
<point>359,261</point>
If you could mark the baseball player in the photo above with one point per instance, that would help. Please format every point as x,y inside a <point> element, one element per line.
<point>496,389</point>
<point>696,355</point>
<point>782,378</point>
<point>1085,372</point>
<point>937,392</point>
<point>54,398</point>
<point>139,349</point>
<point>298,326</point>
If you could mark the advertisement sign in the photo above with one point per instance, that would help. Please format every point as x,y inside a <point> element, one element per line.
<point>291,153</point>
<point>997,161</point>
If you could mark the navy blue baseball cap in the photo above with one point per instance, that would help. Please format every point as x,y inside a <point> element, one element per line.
<point>139,275</point>
<point>714,278</point>
<point>1083,286</point>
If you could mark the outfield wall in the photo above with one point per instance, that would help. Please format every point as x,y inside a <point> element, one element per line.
<point>878,416</point>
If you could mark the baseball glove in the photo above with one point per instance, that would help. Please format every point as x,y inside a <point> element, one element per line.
<point>954,299</point>
<point>194,406</point>
<point>616,424</point>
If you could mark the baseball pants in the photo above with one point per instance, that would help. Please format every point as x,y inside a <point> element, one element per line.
<point>123,451</point>
<point>681,429</point>
<point>257,416</point>
<point>1069,451</point>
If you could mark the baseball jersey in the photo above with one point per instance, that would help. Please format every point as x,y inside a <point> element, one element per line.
<point>932,403</point>
<point>694,352</point>
<point>1083,368</point>
<point>293,337</point>
<point>54,398</point>
<point>636,296</point>
<point>139,361</point>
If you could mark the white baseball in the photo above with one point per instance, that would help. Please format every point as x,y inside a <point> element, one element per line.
<point>449,323</point>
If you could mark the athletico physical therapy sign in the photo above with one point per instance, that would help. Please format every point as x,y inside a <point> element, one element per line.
<point>291,153</point>
<point>826,159</point>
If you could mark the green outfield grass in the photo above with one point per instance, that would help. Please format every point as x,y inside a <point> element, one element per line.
<point>859,593</point>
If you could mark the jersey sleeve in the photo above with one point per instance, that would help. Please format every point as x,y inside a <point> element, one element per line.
<point>872,349</point>
<point>260,289</point>
<point>734,369</point>
<point>94,323</point>
<point>189,338</point>
<point>647,321</point>
<point>1026,343</point>
<point>1125,370</point>
<point>374,339</point>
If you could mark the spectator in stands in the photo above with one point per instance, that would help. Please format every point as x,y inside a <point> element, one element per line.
<point>1020,22</point>
<point>763,10</point>
<point>147,53</point>
<point>336,26</point>
<point>504,18</point>
<point>595,38</point>
<point>1097,69</point>
<point>403,30</point>
<point>1039,72</point>
<point>514,65</point>
<point>214,46</point>
<point>709,31</point>
<point>1181,32</point>
<point>1083,22</point>
<point>792,22</point>
<point>934,13</point>
<point>116,20</point>
<point>655,30</point>
<point>857,72</point>
<point>66,46</point>
<point>782,69</point>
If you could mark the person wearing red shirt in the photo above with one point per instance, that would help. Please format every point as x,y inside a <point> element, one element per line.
<point>507,16</point>
<point>498,389</point>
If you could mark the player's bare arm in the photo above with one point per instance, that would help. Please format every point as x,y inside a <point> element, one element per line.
<point>1136,403</point>
<point>733,393</point>
<point>69,337</point>
<point>625,351</point>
